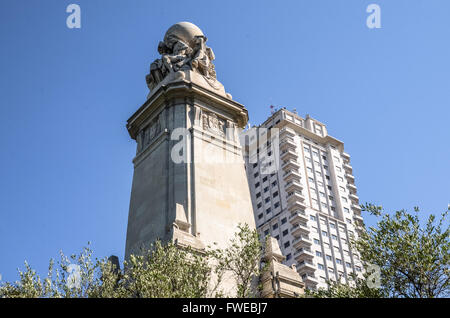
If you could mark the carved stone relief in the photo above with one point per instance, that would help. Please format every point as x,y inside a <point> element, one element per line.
<point>151,131</point>
<point>213,124</point>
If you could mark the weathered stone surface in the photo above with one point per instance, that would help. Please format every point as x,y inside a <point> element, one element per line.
<point>279,280</point>
<point>184,48</point>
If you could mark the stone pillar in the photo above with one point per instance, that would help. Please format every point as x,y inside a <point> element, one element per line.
<point>189,182</point>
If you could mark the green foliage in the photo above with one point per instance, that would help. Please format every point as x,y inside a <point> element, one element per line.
<point>242,258</point>
<point>413,259</point>
<point>164,270</point>
<point>358,288</point>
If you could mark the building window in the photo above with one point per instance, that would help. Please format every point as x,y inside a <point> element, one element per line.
<point>267,200</point>
<point>322,194</point>
<point>285,232</point>
<point>256,174</point>
<point>319,254</point>
<point>274,183</point>
<point>256,184</point>
<point>260,216</point>
<point>348,264</point>
<point>283,220</point>
<point>358,269</point>
<point>332,225</point>
<point>264,179</point>
<point>266,232</point>
<point>259,205</point>
<point>328,257</point>
<point>286,245</point>
<point>324,233</point>
<point>338,261</point>
<point>342,188</point>
<point>276,205</point>
<point>316,241</point>
<point>288,257</point>
<point>340,179</point>
<point>268,210</point>
<point>331,270</point>
<point>320,266</point>
<point>344,200</point>
<point>266,189</point>
<point>346,210</point>
<point>258,194</point>
<point>275,226</point>
<point>275,194</point>
<point>334,237</point>
<point>312,217</point>
<point>324,205</point>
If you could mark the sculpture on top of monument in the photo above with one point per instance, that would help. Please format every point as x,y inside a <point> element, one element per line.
<point>183,48</point>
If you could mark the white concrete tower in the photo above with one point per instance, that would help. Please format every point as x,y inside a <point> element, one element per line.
<point>308,202</point>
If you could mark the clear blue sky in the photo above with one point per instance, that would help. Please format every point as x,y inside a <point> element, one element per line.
<point>65,96</point>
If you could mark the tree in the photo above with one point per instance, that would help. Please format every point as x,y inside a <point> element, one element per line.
<point>242,258</point>
<point>357,289</point>
<point>413,259</point>
<point>164,270</point>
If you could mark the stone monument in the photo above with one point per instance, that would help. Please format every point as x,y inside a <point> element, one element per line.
<point>189,183</point>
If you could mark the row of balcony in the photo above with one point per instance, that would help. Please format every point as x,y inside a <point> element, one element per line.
<point>291,175</point>
<point>309,278</point>
<point>301,242</point>
<point>288,154</point>
<point>300,229</point>
<point>306,266</point>
<point>287,143</point>
<point>287,132</point>
<point>293,185</point>
<point>297,217</point>
<point>290,164</point>
<point>303,254</point>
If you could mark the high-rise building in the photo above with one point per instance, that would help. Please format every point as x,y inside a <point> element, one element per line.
<point>304,194</point>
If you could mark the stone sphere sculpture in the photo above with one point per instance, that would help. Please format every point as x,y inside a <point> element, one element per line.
<point>183,49</point>
<point>182,31</point>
